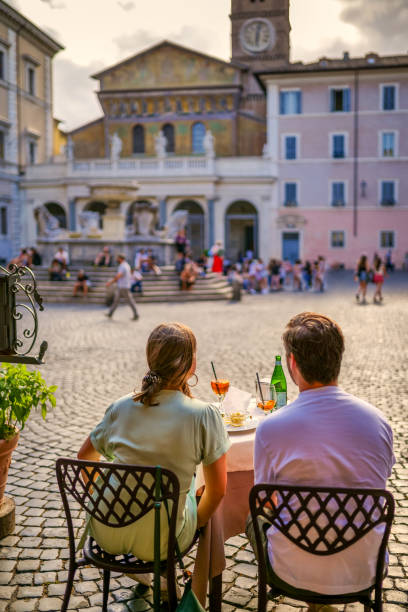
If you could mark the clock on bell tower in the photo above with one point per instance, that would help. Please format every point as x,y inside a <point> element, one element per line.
<point>260,33</point>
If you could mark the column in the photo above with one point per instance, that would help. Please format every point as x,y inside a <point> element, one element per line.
<point>272,117</point>
<point>49,128</point>
<point>13,132</point>
<point>163,213</point>
<point>16,216</point>
<point>72,214</point>
<point>211,238</point>
<point>272,208</point>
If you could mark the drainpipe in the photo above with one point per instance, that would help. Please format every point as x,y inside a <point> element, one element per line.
<point>356,151</point>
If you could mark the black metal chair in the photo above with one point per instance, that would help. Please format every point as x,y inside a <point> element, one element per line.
<point>122,508</point>
<point>321,521</point>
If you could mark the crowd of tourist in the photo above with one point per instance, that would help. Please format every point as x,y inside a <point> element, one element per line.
<point>257,277</point>
<point>249,274</point>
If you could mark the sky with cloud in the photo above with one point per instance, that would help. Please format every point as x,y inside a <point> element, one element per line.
<point>99,33</point>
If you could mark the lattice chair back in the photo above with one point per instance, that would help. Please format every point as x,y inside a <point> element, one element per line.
<point>114,494</point>
<point>324,521</point>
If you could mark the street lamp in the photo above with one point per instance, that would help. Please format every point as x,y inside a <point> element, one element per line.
<point>18,297</point>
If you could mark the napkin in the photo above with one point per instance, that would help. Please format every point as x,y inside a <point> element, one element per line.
<point>236,400</point>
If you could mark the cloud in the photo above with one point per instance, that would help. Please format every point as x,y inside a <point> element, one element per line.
<point>75,100</point>
<point>198,38</point>
<point>383,25</point>
<point>133,43</point>
<point>127,6</point>
<point>55,4</point>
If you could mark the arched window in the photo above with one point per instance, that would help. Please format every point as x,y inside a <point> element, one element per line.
<point>197,137</point>
<point>241,229</point>
<point>168,131</point>
<point>195,228</point>
<point>138,139</point>
<point>98,207</point>
<point>57,211</point>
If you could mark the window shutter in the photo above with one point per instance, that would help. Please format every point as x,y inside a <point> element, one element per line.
<point>346,100</point>
<point>299,102</point>
<point>282,102</point>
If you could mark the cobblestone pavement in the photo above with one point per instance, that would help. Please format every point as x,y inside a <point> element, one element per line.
<point>94,360</point>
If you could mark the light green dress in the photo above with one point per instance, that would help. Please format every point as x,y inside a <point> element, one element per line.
<point>178,434</point>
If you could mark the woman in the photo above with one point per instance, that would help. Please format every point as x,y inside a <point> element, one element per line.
<point>361,276</point>
<point>217,253</point>
<point>188,275</point>
<point>163,425</point>
<point>379,274</point>
<point>82,284</point>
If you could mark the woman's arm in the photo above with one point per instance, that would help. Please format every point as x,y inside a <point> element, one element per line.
<point>215,477</point>
<point>87,452</point>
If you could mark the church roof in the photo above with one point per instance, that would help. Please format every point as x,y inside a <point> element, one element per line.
<point>174,45</point>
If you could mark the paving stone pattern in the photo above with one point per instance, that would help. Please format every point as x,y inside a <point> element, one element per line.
<point>94,360</point>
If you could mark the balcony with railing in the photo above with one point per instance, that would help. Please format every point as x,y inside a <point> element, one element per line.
<point>154,167</point>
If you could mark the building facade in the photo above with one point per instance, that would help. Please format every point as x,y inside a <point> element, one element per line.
<point>338,132</point>
<point>26,123</point>
<point>289,160</point>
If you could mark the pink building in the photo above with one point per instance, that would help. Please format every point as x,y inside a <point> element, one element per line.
<point>338,135</point>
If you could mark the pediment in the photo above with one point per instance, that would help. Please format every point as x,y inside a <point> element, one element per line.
<point>168,65</point>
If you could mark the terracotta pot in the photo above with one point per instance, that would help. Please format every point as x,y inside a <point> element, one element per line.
<point>6,449</point>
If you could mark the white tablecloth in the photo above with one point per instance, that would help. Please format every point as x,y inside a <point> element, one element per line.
<point>240,456</point>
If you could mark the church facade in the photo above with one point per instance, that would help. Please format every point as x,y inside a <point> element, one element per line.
<point>241,146</point>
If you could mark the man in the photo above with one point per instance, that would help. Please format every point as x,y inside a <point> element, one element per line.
<point>327,438</point>
<point>62,256</point>
<point>104,258</point>
<point>123,280</point>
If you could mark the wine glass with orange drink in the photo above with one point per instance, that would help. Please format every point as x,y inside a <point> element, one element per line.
<point>220,387</point>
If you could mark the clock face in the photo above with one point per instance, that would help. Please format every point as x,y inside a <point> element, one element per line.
<point>257,35</point>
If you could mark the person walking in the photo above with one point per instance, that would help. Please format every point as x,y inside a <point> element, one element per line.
<point>123,280</point>
<point>361,275</point>
<point>379,274</point>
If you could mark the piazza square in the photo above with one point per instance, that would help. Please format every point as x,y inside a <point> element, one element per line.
<point>94,361</point>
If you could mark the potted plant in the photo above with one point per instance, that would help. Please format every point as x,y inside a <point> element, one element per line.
<point>20,391</point>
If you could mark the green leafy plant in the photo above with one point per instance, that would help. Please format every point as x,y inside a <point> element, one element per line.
<point>20,391</point>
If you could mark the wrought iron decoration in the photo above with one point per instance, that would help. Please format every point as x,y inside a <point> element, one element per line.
<point>18,299</point>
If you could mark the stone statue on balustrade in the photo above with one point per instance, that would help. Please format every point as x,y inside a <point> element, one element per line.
<point>115,147</point>
<point>209,144</point>
<point>178,221</point>
<point>160,144</point>
<point>69,149</point>
<point>48,226</point>
<point>89,222</point>
<point>144,219</point>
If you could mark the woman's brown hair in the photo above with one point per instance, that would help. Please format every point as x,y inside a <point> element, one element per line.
<point>170,352</point>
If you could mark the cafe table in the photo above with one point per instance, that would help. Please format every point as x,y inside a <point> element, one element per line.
<point>229,518</point>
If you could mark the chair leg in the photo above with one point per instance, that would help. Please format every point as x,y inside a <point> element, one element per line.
<point>262,596</point>
<point>68,588</point>
<point>216,593</point>
<point>106,580</point>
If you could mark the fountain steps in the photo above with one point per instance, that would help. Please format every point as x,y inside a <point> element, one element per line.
<point>162,288</point>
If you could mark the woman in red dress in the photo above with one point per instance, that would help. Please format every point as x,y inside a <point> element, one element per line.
<point>218,259</point>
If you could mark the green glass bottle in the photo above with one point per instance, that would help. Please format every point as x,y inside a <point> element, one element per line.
<point>279,381</point>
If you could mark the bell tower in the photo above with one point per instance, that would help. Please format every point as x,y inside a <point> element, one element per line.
<point>260,32</point>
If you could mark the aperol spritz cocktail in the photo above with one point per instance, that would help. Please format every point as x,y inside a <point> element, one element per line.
<point>220,388</point>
